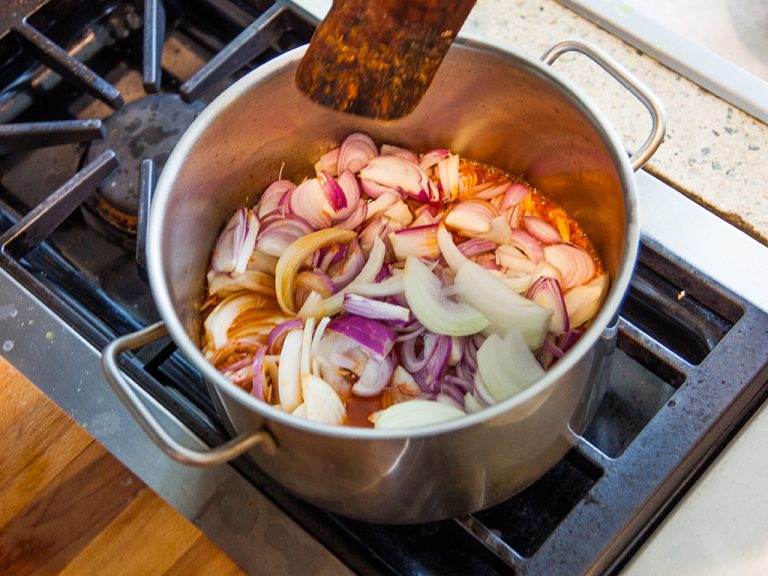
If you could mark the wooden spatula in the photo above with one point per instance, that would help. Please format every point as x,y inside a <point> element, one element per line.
<point>376,58</point>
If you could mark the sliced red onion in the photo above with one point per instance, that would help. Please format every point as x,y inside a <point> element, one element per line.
<point>395,173</point>
<point>576,265</point>
<point>565,341</point>
<point>546,292</point>
<point>448,173</point>
<point>375,309</point>
<point>471,217</point>
<point>438,349</point>
<point>275,192</point>
<point>347,270</point>
<point>333,192</point>
<point>355,152</point>
<point>308,200</point>
<point>476,247</point>
<point>356,218</point>
<point>312,281</point>
<point>278,333</point>
<point>378,228</point>
<point>281,234</point>
<point>410,358</point>
<point>236,242</point>
<point>328,162</point>
<point>528,244</point>
<point>375,190</point>
<point>372,335</point>
<point>381,203</point>
<point>432,157</point>
<point>542,230</point>
<point>399,212</point>
<point>583,302</point>
<point>488,261</point>
<point>516,193</point>
<point>404,153</point>
<point>375,376</point>
<point>413,330</point>
<point>514,216</point>
<point>383,273</point>
<point>427,214</point>
<point>259,382</point>
<point>333,254</point>
<point>420,241</point>
<point>489,190</point>
<point>350,188</point>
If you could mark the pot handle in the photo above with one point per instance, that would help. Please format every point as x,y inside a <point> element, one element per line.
<point>630,82</point>
<point>124,390</point>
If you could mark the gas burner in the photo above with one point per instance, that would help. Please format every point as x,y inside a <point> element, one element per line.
<point>147,128</point>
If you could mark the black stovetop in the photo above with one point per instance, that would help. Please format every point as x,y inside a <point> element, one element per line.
<point>82,94</point>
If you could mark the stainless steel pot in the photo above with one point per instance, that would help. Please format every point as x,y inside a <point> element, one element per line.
<point>488,104</point>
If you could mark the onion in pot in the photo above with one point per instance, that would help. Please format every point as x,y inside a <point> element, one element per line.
<point>433,308</point>
<point>414,413</point>
<point>355,152</point>
<point>270,200</point>
<point>236,242</point>
<point>576,265</point>
<point>319,302</point>
<point>542,230</point>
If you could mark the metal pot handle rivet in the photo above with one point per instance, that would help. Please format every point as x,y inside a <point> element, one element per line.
<point>124,390</point>
<point>630,82</point>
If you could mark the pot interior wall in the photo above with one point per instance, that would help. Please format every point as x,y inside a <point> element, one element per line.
<point>486,105</point>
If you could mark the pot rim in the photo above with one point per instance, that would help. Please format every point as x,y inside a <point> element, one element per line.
<point>607,314</point>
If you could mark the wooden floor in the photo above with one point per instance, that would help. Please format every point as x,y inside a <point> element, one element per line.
<point>68,507</point>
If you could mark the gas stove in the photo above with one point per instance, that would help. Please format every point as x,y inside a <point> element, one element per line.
<point>93,96</point>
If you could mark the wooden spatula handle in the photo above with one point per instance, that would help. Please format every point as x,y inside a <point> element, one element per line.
<point>377,58</point>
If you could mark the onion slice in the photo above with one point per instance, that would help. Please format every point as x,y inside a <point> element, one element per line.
<point>576,265</point>
<point>236,242</point>
<point>479,288</point>
<point>288,384</point>
<point>432,306</point>
<point>412,413</point>
<point>294,256</point>
<point>507,366</point>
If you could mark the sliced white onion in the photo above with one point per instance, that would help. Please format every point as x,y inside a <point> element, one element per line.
<point>433,308</point>
<point>226,312</point>
<point>288,384</point>
<point>453,256</point>
<point>418,241</point>
<point>412,413</point>
<point>225,284</point>
<point>321,401</point>
<point>507,366</point>
<point>503,306</point>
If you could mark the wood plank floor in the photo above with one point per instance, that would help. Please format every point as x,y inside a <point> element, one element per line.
<point>67,506</point>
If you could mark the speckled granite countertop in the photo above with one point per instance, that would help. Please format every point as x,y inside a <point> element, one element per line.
<point>713,152</point>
